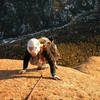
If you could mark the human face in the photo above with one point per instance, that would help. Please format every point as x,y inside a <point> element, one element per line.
<point>32,51</point>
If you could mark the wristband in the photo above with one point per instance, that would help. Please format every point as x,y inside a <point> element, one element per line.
<point>25,69</point>
<point>54,74</point>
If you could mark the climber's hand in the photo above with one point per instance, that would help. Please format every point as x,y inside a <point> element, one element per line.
<point>56,77</point>
<point>22,71</point>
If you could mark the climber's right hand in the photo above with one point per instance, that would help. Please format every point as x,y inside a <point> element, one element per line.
<point>22,71</point>
<point>56,78</point>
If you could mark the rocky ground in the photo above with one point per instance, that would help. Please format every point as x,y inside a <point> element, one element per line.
<point>81,83</point>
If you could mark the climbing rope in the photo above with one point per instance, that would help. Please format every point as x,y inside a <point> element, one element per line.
<point>30,94</point>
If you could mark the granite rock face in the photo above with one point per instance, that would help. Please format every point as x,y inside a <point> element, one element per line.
<point>20,17</point>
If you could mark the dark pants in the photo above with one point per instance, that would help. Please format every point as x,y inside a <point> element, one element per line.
<point>50,58</point>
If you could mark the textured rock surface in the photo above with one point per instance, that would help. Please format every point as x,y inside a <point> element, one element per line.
<point>91,66</point>
<point>76,85</point>
<point>23,17</point>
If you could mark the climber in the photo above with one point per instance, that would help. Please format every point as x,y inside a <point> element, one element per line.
<point>50,41</point>
<point>40,49</point>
